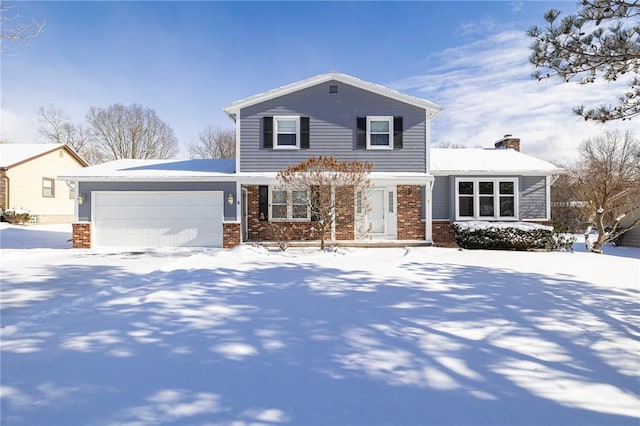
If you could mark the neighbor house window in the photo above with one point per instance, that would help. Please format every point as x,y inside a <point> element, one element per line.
<point>289,205</point>
<point>486,199</point>
<point>48,187</point>
<point>286,132</point>
<point>379,132</point>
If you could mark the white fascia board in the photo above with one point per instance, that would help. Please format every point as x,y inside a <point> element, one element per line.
<point>233,109</point>
<point>494,172</point>
<point>209,178</point>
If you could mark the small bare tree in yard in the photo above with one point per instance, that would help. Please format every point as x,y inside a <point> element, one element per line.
<point>331,187</point>
<point>214,142</point>
<point>607,178</point>
<point>134,131</point>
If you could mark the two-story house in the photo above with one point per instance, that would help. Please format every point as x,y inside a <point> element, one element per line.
<point>417,191</point>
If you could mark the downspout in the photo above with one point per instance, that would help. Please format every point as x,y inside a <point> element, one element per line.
<point>3,172</point>
<point>428,214</point>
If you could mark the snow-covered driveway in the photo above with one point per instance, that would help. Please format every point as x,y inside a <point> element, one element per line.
<point>424,336</point>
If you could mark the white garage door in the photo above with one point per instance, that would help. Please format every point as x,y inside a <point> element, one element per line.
<point>158,219</point>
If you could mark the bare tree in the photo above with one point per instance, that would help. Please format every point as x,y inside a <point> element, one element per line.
<point>601,40</point>
<point>607,178</point>
<point>56,127</point>
<point>134,131</point>
<point>329,188</point>
<point>568,213</point>
<point>214,142</point>
<point>14,29</point>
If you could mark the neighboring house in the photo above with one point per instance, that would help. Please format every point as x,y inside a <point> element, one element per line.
<point>632,237</point>
<point>28,180</point>
<point>417,191</point>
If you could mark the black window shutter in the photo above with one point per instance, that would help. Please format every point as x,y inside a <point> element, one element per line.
<point>304,132</point>
<point>263,203</point>
<point>361,137</point>
<point>397,132</point>
<point>267,132</point>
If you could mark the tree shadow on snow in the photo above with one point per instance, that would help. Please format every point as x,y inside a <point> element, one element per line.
<point>298,343</point>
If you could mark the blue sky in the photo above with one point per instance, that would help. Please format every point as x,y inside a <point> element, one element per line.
<point>187,60</point>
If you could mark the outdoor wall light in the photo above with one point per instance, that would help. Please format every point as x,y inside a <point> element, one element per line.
<point>230,199</point>
<point>81,199</point>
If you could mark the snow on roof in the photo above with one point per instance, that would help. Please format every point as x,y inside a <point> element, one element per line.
<point>488,161</point>
<point>14,153</point>
<point>232,109</point>
<point>154,170</point>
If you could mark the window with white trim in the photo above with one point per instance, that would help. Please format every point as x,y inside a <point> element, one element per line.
<point>486,199</point>
<point>286,132</point>
<point>290,205</point>
<point>48,188</point>
<point>379,132</point>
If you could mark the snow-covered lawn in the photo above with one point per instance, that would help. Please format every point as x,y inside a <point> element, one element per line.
<point>419,336</point>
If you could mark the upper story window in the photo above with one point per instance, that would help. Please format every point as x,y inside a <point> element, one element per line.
<point>486,199</point>
<point>285,132</point>
<point>379,132</point>
<point>48,187</point>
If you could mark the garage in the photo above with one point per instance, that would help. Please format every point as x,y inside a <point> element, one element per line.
<point>157,218</point>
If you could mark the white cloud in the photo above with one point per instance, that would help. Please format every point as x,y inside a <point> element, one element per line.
<point>18,128</point>
<point>486,91</point>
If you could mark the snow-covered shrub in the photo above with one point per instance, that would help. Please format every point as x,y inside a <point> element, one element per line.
<point>563,241</point>
<point>503,235</point>
<point>16,216</point>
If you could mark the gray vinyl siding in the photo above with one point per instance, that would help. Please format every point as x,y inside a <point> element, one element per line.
<point>441,198</point>
<point>84,211</point>
<point>533,197</point>
<point>332,128</point>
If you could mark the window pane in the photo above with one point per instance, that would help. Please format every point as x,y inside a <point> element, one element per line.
<point>486,206</point>
<point>465,188</point>
<point>279,197</point>
<point>507,206</point>
<point>287,139</point>
<point>299,211</point>
<point>287,126</point>
<point>279,211</point>
<point>300,197</point>
<point>391,202</point>
<point>380,140</point>
<point>485,187</point>
<point>379,126</point>
<point>466,206</point>
<point>506,187</point>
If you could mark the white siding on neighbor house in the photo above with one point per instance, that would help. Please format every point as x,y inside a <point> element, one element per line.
<point>25,186</point>
<point>332,128</point>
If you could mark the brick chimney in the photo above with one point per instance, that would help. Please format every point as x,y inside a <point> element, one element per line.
<point>508,141</point>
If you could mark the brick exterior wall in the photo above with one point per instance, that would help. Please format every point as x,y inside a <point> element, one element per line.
<point>443,234</point>
<point>81,235</point>
<point>230,235</point>
<point>258,230</point>
<point>410,223</point>
<point>345,222</point>
<point>4,190</point>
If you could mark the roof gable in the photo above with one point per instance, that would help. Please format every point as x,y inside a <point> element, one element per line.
<point>236,106</point>
<point>13,154</point>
